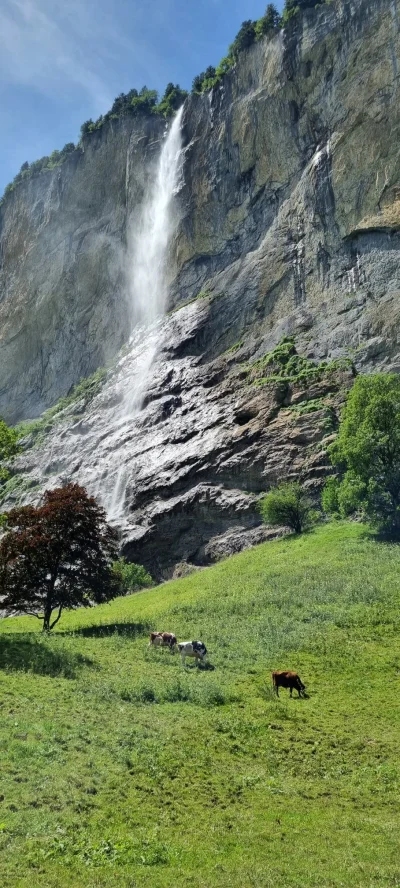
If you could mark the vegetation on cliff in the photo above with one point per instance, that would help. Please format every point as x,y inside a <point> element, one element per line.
<point>255,791</point>
<point>250,32</point>
<point>8,449</point>
<point>135,103</point>
<point>147,101</point>
<point>284,364</point>
<point>85,390</point>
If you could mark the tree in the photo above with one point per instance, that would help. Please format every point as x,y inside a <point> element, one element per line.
<point>86,127</point>
<point>244,38</point>
<point>57,555</point>
<point>292,7</point>
<point>69,147</point>
<point>197,83</point>
<point>172,99</point>
<point>367,451</point>
<point>224,66</point>
<point>131,576</point>
<point>8,448</point>
<point>287,505</point>
<point>269,23</point>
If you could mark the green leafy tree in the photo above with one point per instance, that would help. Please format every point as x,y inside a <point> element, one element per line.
<point>244,38</point>
<point>197,84</point>
<point>131,576</point>
<point>292,7</point>
<point>343,498</point>
<point>367,451</point>
<point>86,127</point>
<point>57,555</point>
<point>8,448</point>
<point>172,99</point>
<point>288,505</point>
<point>269,23</point>
<point>224,66</point>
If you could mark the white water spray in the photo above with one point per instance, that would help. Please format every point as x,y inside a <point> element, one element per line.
<point>151,237</point>
<point>149,241</point>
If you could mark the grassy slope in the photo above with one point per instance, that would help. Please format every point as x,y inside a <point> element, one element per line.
<point>125,771</point>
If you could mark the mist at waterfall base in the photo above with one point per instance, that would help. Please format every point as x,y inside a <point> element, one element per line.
<point>149,240</point>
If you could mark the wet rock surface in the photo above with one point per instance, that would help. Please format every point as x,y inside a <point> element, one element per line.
<point>181,472</point>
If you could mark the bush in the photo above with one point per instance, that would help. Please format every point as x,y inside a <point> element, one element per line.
<point>132,577</point>
<point>288,505</point>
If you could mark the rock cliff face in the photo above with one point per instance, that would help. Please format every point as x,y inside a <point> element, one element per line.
<point>289,223</point>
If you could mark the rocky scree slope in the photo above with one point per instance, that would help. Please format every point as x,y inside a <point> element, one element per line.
<point>288,226</point>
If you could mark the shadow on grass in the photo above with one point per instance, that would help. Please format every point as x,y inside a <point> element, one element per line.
<point>132,630</point>
<point>24,653</point>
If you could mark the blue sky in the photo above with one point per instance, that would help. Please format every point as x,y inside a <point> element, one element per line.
<point>63,61</point>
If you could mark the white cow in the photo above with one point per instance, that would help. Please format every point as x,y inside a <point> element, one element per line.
<point>196,649</point>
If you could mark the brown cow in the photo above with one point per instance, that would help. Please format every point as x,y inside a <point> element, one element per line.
<point>287,679</point>
<point>164,639</point>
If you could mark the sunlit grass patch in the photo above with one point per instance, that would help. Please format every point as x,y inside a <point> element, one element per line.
<point>120,767</point>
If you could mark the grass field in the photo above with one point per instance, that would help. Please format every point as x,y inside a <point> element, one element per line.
<point>120,769</point>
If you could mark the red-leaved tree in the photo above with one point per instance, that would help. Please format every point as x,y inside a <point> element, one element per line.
<point>57,556</point>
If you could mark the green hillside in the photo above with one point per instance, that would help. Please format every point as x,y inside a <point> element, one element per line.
<point>121,769</point>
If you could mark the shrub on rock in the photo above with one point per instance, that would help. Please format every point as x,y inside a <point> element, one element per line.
<point>288,505</point>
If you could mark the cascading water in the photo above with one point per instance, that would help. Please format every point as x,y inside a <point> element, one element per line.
<point>106,445</point>
<point>148,245</point>
<point>150,238</point>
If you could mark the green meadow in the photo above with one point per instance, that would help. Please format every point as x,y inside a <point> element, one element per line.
<point>121,769</point>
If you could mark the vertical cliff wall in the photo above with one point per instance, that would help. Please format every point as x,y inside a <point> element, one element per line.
<point>291,203</point>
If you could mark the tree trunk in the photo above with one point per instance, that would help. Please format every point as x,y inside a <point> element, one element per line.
<point>48,608</point>
<point>47,618</point>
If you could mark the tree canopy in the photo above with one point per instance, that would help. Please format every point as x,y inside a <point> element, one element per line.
<point>367,453</point>
<point>57,555</point>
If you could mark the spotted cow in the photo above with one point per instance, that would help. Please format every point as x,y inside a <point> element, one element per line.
<point>196,649</point>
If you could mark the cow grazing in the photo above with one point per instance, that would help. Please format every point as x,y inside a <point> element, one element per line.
<point>288,679</point>
<point>194,649</point>
<point>163,639</point>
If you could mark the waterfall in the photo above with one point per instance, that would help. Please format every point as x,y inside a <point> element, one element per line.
<point>147,256</point>
<point>150,237</point>
<point>148,243</point>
